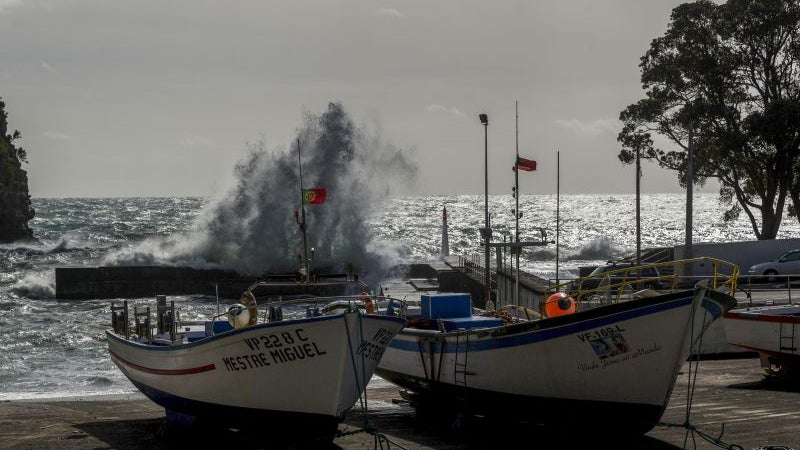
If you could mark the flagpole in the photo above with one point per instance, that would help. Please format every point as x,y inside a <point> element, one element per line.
<point>303,214</point>
<point>558,204</point>
<point>517,249</point>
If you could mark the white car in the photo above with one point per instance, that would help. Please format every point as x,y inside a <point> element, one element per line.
<point>787,264</point>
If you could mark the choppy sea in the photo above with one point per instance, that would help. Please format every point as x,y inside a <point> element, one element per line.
<point>52,347</point>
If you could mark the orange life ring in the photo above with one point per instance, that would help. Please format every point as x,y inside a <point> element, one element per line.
<point>559,304</point>
<point>249,300</point>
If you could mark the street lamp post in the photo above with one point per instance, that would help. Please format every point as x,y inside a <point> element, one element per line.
<point>486,231</point>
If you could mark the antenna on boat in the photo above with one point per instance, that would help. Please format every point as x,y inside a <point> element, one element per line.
<point>301,221</point>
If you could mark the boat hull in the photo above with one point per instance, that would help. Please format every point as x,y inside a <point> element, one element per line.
<point>307,371</point>
<point>772,331</point>
<point>612,363</point>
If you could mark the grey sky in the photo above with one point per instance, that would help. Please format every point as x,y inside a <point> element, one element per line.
<point>152,98</point>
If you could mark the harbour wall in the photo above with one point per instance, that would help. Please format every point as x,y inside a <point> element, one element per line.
<point>744,254</point>
<point>80,283</point>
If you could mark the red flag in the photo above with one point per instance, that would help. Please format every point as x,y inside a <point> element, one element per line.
<point>314,196</point>
<point>525,164</point>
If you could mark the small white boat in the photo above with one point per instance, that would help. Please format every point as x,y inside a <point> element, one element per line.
<point>773,332</point>
<point>283,365</point>
<point>611,360</point>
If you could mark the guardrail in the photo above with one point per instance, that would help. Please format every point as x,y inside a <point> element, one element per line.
<point>474,268</point>
<point>756,292</point>
<point>627,282</point>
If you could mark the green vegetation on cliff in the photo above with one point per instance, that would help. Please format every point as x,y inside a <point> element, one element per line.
<point>15,200</point>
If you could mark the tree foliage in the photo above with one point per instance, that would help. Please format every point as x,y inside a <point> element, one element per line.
<point>18,152</point>
<point>728,73</point>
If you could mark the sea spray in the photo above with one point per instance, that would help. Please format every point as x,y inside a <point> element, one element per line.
<point>600,248</point>
<point>252,229</point>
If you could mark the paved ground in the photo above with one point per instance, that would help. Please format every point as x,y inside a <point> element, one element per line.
<point>731,401</point>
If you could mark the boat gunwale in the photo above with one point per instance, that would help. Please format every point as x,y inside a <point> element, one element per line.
<point>767,314</point>
<point>546,329</point>
<point>234,332</point>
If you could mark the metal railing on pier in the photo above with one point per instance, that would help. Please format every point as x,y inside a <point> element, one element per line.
<point>754,291</point>
<point>473,267</point>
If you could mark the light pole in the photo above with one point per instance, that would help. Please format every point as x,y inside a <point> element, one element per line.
<point>689,251</point>
<point>486,231</point>
<point>638,208</point>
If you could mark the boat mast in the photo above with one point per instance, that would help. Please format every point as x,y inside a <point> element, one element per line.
<point>303,216</point>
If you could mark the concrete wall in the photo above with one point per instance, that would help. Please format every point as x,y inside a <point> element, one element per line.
<point>744,254</point>
<point>149,281</point>
<point>457,281</point>
<point>530,297</point>
<point>145,281</point>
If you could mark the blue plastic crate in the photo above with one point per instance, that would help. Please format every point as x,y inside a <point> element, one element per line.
<point>446,306</point>
<point>217,326</point>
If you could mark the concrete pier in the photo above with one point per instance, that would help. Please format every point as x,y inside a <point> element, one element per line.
<point>80,283</point>
<point>77,283</point>
<point>145,281</point>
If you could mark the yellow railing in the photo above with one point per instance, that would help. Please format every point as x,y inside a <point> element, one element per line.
<point>618,284</point>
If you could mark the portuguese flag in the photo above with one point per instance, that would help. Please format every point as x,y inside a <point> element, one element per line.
<point>525,164</point>
<point>314,196</point>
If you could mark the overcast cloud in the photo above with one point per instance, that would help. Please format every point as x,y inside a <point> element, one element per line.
<point>153,98</point>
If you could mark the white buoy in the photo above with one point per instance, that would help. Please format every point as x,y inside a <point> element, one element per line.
<point>238,316</point>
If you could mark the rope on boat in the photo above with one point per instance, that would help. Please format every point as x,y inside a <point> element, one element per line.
<point>379,438</point>
<point>691,429</point>
<point>694,365</point>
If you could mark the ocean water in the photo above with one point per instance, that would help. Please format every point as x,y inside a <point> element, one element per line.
<point>52,347</point>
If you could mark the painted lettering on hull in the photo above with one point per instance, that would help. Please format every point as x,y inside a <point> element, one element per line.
<point>614,349</point>
<point>274,349</point>
<point>374,348</point>
<point>600,333</point>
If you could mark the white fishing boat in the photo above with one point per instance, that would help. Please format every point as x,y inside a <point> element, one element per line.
<point>282,364</point>
<point>771,331</point>
<point>610,356</point>
<point>606,354</point>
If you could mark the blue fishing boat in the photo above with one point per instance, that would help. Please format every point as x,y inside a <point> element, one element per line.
<point>611,354</point>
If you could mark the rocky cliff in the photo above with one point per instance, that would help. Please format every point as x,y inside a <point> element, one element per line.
<point>15,200</point>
